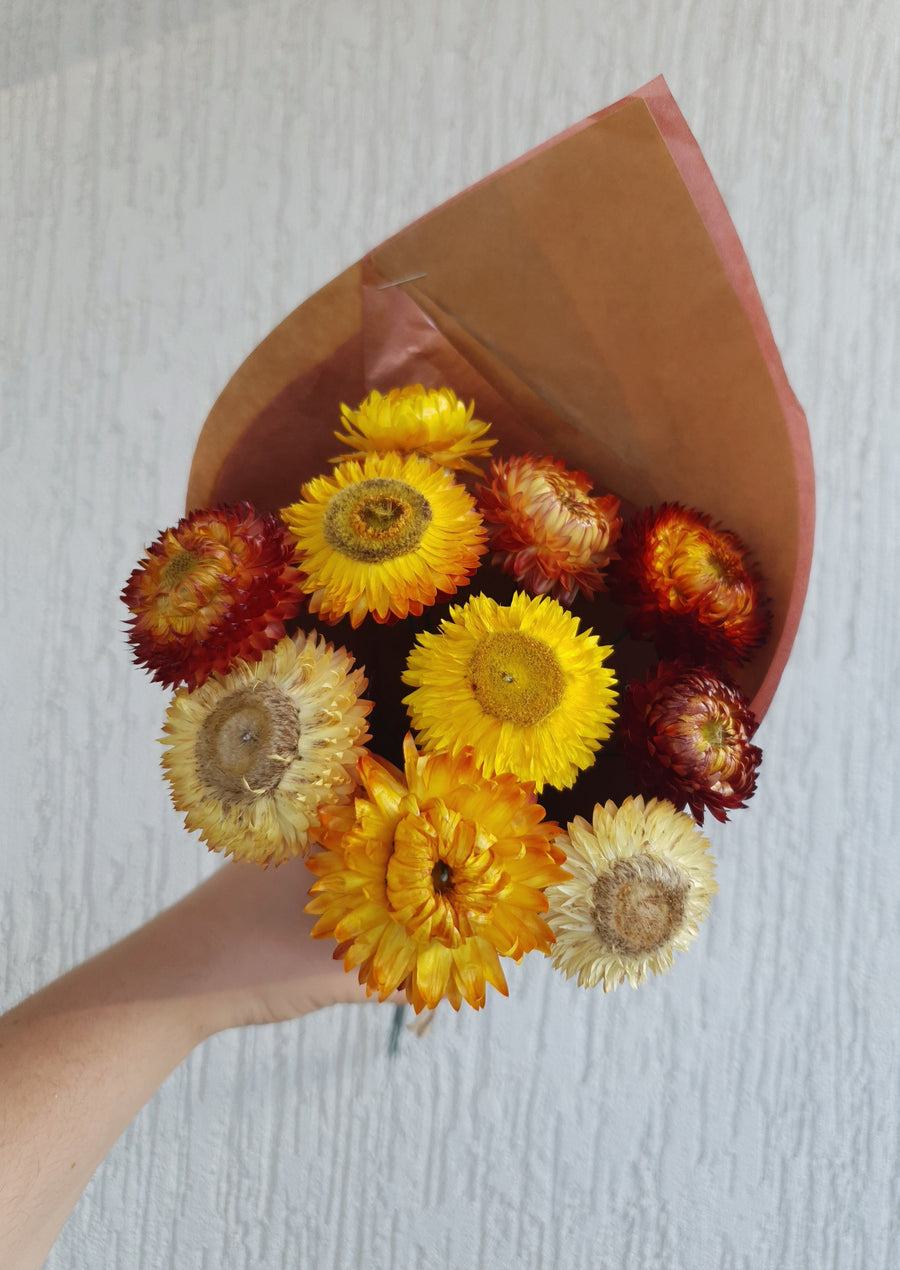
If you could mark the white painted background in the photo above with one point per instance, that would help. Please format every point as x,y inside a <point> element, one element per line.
<point>175,175</point>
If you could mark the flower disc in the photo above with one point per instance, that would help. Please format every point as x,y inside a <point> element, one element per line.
<point>387,538</point>
<point>520,685</point>
<point>254,756</point>
<point>435,874</point>
<point>434,424</point>
<point>642,880</point>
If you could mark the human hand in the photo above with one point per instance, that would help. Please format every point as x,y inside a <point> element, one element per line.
<point>246,934</point>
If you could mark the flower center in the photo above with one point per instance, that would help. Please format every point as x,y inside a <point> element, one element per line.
<point>376,519</point>
<point>638,904</point>
<point>569,496</point>
<point>442,878</point>
<point>441,881</point>
<point>723,566</point>
<point>699,562</point>
<point>714,733</point>
<point>246,743</point>
<point>516,678</point>
<point>177,567</point>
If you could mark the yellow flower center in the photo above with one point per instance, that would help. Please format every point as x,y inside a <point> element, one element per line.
<point>376,519</point>
<point>715,734</point>
<point>569,496</point>
<point>246,743</point>
<point>638,904</point>
<point>516,678</point>
<point>177,567</point>
<point>700,562</point>
<point>441,879</point>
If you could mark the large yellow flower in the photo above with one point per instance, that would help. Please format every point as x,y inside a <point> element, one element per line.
<point>519,685</point>
<point>642,880</point>
<point>387,538</point>
<point>254,756</point>
<point>433,423</point>
<point>432,877</point>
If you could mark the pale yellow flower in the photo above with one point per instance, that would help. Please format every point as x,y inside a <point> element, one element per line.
<point>252,757</point>
<point>641,883</point>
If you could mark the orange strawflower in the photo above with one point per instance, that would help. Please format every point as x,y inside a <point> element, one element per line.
<point>545,528</point>
<point>434,875</point>
<point>686,733</point>
<point>218,587</point>
<point>690,586</point>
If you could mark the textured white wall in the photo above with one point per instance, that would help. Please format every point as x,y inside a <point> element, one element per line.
<point>174,177</point>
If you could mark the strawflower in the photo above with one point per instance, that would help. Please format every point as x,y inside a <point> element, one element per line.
<point>253,757</point>
<point>217,587</point>
<point>432,423</point>
<point>387,537</point>
<point>519,684</point>
<point>686,734</point>
<point>432,876</point>
<point>690,586</point>
<point>546,529</point>
<point>642,880</point>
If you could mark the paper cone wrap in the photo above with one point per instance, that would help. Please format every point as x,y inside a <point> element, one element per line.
<point>594,300</point>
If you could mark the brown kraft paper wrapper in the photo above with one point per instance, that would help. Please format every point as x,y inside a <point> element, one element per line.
<point>594,300</point>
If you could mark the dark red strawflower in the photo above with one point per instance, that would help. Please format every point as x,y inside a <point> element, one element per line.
<point>218,587</point>
<point>686,734</point>
<point>690,586</point>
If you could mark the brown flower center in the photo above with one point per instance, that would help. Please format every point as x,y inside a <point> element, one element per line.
<point>246,743</point>
<point>376,519</point>
<point>638,904</point>
<point>516,678</point>
<point>178,566</point>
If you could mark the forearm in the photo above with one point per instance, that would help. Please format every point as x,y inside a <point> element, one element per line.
<point>79,1059</point>
<point>77,1062</point>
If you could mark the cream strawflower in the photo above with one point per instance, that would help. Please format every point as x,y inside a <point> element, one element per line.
<point>642,881</point>
<point>254,756</point>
